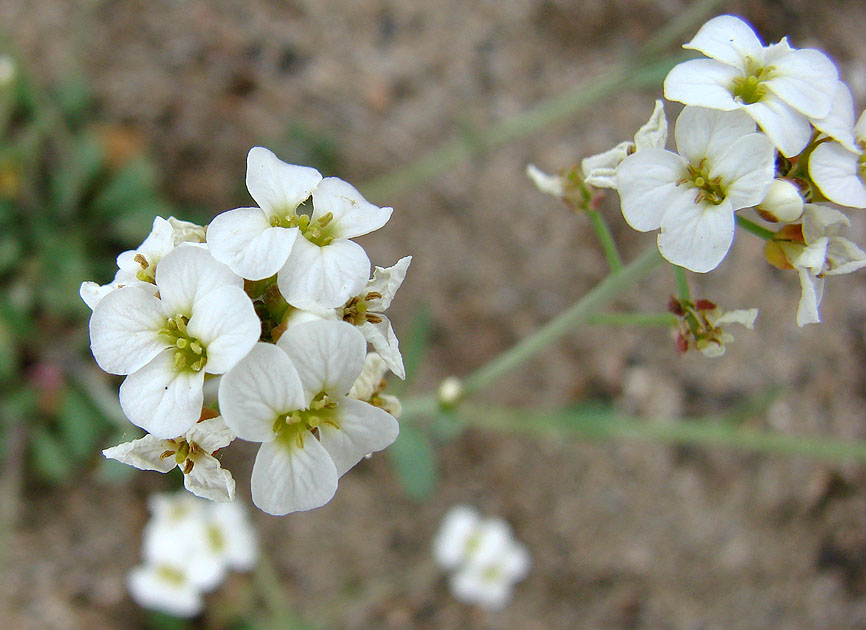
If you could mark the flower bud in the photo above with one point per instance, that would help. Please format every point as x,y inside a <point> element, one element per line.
<point>782,203</point>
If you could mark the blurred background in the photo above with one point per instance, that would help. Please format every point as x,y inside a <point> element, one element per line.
<point>121,110</point>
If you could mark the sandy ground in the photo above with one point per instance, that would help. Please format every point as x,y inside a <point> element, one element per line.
<point>623,535</point>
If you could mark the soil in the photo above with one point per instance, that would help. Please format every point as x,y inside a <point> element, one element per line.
<point>622,535</point>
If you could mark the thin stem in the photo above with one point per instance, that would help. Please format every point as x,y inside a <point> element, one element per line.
<point>754,228</point>
<point>597,298</point>
<point>683,291</point>
<point>605,237</point>
<point>605,425</point>
<point>643,320</point>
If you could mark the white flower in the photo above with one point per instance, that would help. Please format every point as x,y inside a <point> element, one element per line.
<point>838,124</point>
<point>485,559</point>
<point>165,586</point>
<point>138,266</point>
<point>317,265</point>
<point>600,170</point>
<point>192,453</point>
<point>366,311</point>
<point>840,173</point>
<point>780,87</point>
<point>722,166</point>
<point>231,536</point>
<point>177,535</point>
<point>820,252</point>
<point>202,322</point>
<point>255,242</point>
<point>292,397</point>
<point>712,342</point>
<point>370,383</point>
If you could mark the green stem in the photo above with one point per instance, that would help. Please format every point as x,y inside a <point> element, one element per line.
<point>597,298</point>
<point>605,237</point>
<point>643,320</point>
<point>704,432</point>
<point>683,291</point>
<point>754,228</point>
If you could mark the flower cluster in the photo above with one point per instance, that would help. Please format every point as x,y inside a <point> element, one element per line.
<point>766,140</point>
<point>482,555</point>
<point>271,308</point>
<point>188,547</point>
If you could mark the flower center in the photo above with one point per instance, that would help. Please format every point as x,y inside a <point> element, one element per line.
<point>184,453</point>
<point>320,232</point>
<point>171,575</point>
<point>750,88</point>
<point>861,162</point>
<point>709,188</point>
<point>292,426</point>
<point>355,311</point>
<point>189,352</point>
<point>148,270</point>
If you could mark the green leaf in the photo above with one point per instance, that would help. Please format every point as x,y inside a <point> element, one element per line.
<point>161,621</point>
<point>415,462</point>
<point>50,460</point>
<point>417,341</point>
<point>80,424</point>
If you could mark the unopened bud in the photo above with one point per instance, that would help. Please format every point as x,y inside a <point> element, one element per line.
<point>782,203</point>
<point>450,392</point>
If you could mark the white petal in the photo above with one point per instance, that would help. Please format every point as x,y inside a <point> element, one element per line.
<point>210,435</point>
<point>702,82</point>
<point>260,388</point>
<point>385,342</point>
<point>279,188</point>
<point>150,589</point>
<point>143,453</point>
<point>473,585</point>
<point>836,171</point>
<point>368,380</point>
<point>654,133</point>
<point>708,133</point>
<point>820,221</point>
<point>328,355</point>
<point>843,257</point>
<point>728,39</point>
<point>287,478</point>
<point>450,543</point>
<point>788,129</point>
<point>546,183</point>
<point>226,323</point>
<point>747,170</point>
<point>744,316</point>
<point>363,429</point>
<point>209,480</point>
<point>353,215</point>
<point>698,239</point>
<point>157,244</point>
<point>244,240</point>
<point>123,330</point>
<point>812,288</point>
<point>598,169</point>
<point>187,274</point>
<point>241,542</point>
<point>839,123</point>
<point>805,79</point>
<point>860,127</point>
<point>161,400</point>
<point>646,182</point>
<point>323,277</point>
<point>386,280</point>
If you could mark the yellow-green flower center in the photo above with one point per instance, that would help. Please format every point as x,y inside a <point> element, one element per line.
<point>171,574</point>
<point>750,88</point>
<point>320,232</point>
<point>291,427</point>
<point>355,311</point>
<point>190,353</point>
<point>709,188</point>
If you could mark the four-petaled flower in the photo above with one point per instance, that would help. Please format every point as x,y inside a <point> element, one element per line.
<point>780,87</point>
<point>292,397</point>
<point>723,165</point>
<point>201,323</point>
